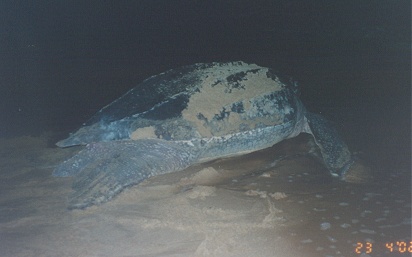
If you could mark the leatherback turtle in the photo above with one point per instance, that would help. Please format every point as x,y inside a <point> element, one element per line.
<point>189,115</point>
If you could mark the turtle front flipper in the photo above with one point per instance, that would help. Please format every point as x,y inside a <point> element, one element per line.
<point>102,170</point>
<point>335,153</point>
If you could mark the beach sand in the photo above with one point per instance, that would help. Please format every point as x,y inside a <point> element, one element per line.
<point>259,204</point>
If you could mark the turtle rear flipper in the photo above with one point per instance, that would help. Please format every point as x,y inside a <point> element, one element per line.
<point>104,169</point>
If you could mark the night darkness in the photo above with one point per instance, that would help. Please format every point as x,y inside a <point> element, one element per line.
<point>61,61</point>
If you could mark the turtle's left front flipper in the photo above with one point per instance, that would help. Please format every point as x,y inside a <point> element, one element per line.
<point>104,169</point>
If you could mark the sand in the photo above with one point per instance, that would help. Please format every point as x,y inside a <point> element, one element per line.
<point>259,204</point>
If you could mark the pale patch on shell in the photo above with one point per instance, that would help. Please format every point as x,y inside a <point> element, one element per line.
<point>216,93</point>
<point>143,133</point>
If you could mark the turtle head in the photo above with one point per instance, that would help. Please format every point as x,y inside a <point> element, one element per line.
<point>80,137</point>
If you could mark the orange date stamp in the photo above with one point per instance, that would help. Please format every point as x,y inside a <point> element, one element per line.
<point>399,247</point>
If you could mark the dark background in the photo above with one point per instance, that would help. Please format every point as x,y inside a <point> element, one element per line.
<point>61,61</point>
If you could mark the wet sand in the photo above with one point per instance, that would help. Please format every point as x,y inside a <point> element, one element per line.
<point>259,204</point>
